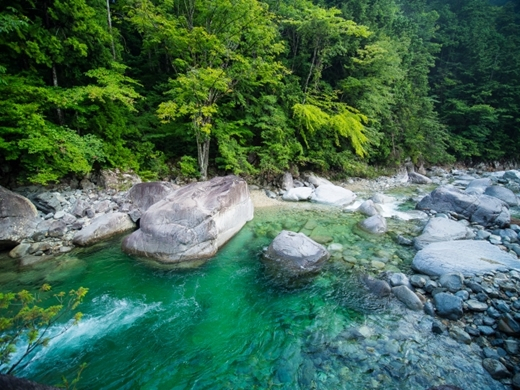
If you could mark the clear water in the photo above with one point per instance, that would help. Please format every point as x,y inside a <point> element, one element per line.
<point>224,324</point>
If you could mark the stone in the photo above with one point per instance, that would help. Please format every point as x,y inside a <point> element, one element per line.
<point>477,306</point>
<point>193,222</point>
<point>486,330</point>
<point>478,186</point>
<point>18,218</point>
<point>408,297</point>
<point>438,327</point>
<point>117,180</point>
<point>102,207</point>
<point>398,279</point>
<point>516,381</point>
<point>481,209</point>
<point>86,184</point>
<point>496,369</point>
<point>419,281</point>
<point>8,382</point>
<point>460,335</point>
<point>453,281</point>
<point>297,194</point>
<point>440,229</point>
<point>448,306</point>
<point>102,228</point>
<point>376,286</point>
<point>417,178</point>
<point>465,256</point>
<point>295,254</point>
<point>270,194</point>
<point>48,202</point>
<point>57,228</point>
<point>287,181</point>
<point>382,199</point>
<point>332,195</point>
<point>512,346</point>
<point>512,175</point>
<point>315,180</point>
<point>20,250</point>
<point>429,309</point>
<point>508,325</point>
<point>369,208</point>
<point>145,195</point>
<point>374,225</point>
<point>502,193</point>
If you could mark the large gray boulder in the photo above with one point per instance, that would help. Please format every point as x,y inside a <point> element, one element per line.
<point>316,181</point>
<point>468,257</point>
<point>369,208</point>
<point>296,254</point>
<point>441,229</point>
<point>103,228</point>
<point>144,195</point>
<point>287,181</point>
<point>192,222</point>
<point>478,186</point>
<point>332,195</point>
<point>417,178</point>
<point>482,209</point>
<point>18,218</point>
<point>502,193</point>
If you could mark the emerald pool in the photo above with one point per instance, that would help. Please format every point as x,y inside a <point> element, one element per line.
<point>225,324</point>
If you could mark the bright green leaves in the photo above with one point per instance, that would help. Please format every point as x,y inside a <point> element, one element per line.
<point>23,319</point>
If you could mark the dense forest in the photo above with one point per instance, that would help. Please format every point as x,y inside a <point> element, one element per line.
<point>255,87</point>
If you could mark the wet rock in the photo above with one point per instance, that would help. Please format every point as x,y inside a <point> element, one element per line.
<point>460,335</point>
<point>476,306</point>
<point>486,330</point>
<point>20,250</point>
<point>464,256</point>
<point>440,229</point>
<point>448,306</point>
<point>496,369</point>
<point>102,228</point>
<point>453,281</point>
<point>408,297</point>
<point>374,225</point>
<point>438,327</point>
<point>482,209</point>
<point>295,254</point>
<point>419,281</point>
<point>512,346</point>
<point>399,279</point>
<point>502,193</point>
<point>18,218</point>
<point>508,325</point>
<point>369,208</point>
<point>478,186</point>
<point>429,309</point>
<point>193,222</point>
<point>516,381</point>
<point>298,194</point>
<point>376,286</point>
<point>333,195</point>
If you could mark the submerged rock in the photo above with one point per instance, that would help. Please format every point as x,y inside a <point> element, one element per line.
<point>465,256</point>
<point>192,222</point>
<point>18,218</point>
<point>102,228</point>
<point>374,225</point>
<point>296,254</point>
<point>482,209</point>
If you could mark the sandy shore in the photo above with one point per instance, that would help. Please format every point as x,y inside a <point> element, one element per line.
<point>261,200</point>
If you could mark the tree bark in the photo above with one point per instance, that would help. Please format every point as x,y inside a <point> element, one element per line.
<point>110,30</point>
<point>55,83</point>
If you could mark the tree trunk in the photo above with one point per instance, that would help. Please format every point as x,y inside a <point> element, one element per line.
<point>110,31</point>
<point>55,83</point>
<point>203,157</point>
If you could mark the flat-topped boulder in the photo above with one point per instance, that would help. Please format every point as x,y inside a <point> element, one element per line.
<point>297,194</point>
<point>468,257</point>
<point>295,254</point>
<point>102,228</point>
<point>18,218</point>
<point>333,195</point>
<point>441,229</point>
<point>482,209</point>
<point>193,222</point>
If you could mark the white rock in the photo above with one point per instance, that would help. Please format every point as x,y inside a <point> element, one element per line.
<point>333,195</point>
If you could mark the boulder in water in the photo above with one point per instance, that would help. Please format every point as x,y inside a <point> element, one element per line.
<point>441,229</point>
<point>417,178</point>
<point>192,222</point>
<point>102,228</point>
<point>296,254</point>
<point>18,218</point>
<point>333,195</point>
<point>369,208</point>
<point>482,209</point>
<point>374,225</point>
<point>465,256</point>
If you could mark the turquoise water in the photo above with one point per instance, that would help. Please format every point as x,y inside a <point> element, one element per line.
<point>224,324</point>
